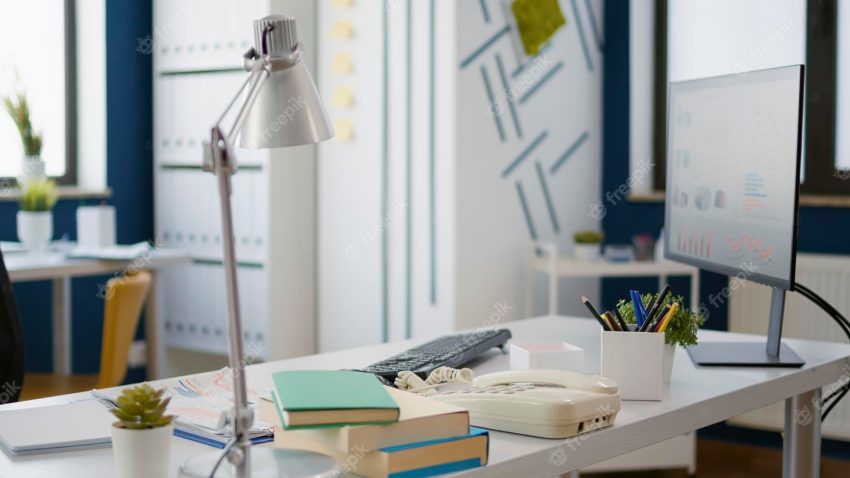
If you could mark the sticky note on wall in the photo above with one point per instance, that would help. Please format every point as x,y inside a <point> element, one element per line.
<point>342,97</point>
<point>342,64</point>
<point>342,30</point>
<point>344,129</point>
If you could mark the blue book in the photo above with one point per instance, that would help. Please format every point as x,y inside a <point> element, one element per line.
<point>413,460</point>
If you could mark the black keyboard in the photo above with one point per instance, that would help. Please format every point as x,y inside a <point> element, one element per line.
<point>450,351</point>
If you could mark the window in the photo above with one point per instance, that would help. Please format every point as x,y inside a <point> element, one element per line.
<point>37,56</point>
<point>700,38</point>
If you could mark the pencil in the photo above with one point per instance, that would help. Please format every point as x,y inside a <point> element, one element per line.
<point>620,320</point>
<point>609,317</point>
<point>656,302</point>
<point>667,318</point>
<point>602,322</point>
<point>650,327</point>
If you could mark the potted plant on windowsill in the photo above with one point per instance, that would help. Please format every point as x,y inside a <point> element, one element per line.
<point>681,331</point>
<point>587,245</point>
<point>141,438</point>
<point>18,109</point>
<point>35,219</point>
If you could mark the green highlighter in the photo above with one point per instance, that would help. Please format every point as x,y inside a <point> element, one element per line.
<point>331,398</point>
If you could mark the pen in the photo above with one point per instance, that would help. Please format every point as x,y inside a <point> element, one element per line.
<point>650,326</point>
<point>620,320</point>
<point>656,302</point>
<point>637,306</point>
<point>602,322</point>
<point>667,318</point>
<point>612,322</point>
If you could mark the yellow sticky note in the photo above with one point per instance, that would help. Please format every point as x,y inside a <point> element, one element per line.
<point>342,3</point>
<point>342,97</point>
<point>342,64</point>
<point>344,129</point>
<point>342,30</point>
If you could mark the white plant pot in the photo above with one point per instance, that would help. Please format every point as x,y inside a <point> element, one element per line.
<point>587,252</point>
<point>33,168</point>
<point>142,453</point>
<point>669,355</point>
<point>35,229</point>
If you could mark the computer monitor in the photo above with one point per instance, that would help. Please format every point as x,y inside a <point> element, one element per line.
<point>733,173</point>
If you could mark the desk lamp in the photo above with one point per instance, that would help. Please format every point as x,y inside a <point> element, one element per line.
<point>281,107</point>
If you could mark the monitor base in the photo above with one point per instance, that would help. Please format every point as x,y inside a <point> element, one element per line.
<point>742,354</point>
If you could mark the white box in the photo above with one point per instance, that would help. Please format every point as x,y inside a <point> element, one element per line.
<point>96,226</point>
<point>635,360</point>
<point>552,355</point>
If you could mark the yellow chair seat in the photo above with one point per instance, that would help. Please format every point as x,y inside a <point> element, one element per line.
<point>125,299</point>
<point>37,385</point>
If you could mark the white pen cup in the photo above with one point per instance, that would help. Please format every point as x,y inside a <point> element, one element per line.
<point>635,360</point>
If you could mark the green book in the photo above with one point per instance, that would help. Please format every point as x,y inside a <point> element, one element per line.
<point>326,398</point>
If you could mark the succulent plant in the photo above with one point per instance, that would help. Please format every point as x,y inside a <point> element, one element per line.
<point>588,237</point>
<point>142,407</point>
<point>38,195</point>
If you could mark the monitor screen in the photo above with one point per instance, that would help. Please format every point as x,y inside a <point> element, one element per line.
<point>733,166</point>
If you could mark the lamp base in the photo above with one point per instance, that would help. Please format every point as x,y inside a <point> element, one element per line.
<point>265,463</point>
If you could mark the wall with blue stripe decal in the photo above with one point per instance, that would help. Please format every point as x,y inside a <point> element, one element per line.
<point>128,103</point>
<point>480,151</point>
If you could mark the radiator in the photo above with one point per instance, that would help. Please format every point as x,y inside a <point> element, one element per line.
<point>829,277</point>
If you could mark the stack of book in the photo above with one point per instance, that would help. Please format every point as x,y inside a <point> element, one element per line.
<point>371,430</point>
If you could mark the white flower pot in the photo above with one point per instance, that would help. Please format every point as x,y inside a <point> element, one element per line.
<point>35,229</point>
<point>142,453</point>
<point>33,169</point>
<point>669,355</point>
<point>587,252</point>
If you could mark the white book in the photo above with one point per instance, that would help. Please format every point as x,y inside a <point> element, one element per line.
<point>70,426</point>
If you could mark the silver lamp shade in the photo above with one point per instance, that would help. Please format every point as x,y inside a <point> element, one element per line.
<point>288,110</point>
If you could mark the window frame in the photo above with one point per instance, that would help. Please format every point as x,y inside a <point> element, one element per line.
<point>819,116</point>
<point>69,178</point>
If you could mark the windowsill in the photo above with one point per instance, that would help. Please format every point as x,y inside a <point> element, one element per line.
<point>806,200</point>
<point>64,192</point>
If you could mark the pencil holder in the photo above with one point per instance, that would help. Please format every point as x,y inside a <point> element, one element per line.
<point>635,360</point>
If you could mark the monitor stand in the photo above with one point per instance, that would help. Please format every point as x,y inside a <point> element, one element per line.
<point>751,354</point>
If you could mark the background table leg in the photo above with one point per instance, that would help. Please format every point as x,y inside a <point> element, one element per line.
<point>62,326</point>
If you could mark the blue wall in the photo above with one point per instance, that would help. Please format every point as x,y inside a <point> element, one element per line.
<point>129,174</point>
<point>821,230</point>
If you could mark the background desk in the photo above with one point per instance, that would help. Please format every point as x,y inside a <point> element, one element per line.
<point>697,397</point>
<point>54,266</point>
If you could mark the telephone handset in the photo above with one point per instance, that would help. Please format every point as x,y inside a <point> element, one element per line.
<point>543,403</point>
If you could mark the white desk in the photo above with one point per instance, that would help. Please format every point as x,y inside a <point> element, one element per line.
<point>54,266</point>
<point>696,398</point>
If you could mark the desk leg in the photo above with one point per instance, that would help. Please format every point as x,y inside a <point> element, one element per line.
<point>62,326</point>
<point>152,330</point>
<point>801,445</point>
<point>695,300</point>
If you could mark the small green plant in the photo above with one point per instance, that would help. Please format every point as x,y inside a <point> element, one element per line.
<point>38,195</point>
<point>142,407</point>
<point>20,113</point>
<point>588,237</point>
<point>683,327</point>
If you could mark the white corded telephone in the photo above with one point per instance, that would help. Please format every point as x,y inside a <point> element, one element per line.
<point>541,403</point>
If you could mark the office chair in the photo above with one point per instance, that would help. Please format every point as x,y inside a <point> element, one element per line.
<point>11,341</point>
<point>125,299</point>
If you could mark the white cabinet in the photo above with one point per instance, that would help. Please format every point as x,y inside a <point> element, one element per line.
<point>197,48</point>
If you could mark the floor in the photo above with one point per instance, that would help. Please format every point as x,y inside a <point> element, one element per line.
<point>718,459</point>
